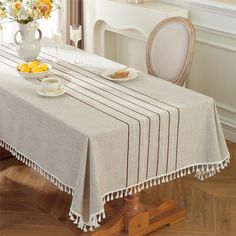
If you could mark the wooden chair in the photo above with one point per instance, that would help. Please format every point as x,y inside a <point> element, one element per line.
<point>170,49</point>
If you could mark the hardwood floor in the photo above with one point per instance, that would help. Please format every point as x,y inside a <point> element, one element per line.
<point>31,206</point>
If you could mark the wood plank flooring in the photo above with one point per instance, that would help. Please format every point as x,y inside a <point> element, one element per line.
<point>31,206</point>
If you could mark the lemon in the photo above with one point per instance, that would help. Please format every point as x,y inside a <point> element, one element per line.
<point>44,67</point>
<point>33,64</point>
<point>37,70</point>
<point>19,67</point>
<point>25,69</point>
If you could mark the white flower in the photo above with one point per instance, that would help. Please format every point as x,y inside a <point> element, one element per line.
<point>23,15</point>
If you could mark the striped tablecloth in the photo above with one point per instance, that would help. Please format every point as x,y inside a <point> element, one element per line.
<point>105,140</point>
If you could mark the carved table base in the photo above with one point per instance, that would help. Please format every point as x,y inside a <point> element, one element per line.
<point>135,219</point>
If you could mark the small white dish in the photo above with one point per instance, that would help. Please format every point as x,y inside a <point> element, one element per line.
<point>39,75</point>
<point>46,93</point>
<point>132,75</point>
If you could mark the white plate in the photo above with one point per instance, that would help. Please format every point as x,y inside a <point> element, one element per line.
<point>132,75</point>
<point>44,92</point>
<point>38,75</point>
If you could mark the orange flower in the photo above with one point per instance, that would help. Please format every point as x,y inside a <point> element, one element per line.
<point>17,5</point>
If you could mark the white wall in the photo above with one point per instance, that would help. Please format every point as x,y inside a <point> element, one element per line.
<point>214,68</point>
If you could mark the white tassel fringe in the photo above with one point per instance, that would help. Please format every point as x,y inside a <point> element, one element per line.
<point>202,172</point>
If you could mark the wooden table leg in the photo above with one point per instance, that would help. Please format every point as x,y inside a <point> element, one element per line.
<point>4,154</point>
<point>135,219</point>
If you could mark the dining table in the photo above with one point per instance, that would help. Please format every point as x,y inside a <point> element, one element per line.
<point>104,140</point>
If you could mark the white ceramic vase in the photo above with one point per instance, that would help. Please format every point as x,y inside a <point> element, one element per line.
<point>135,1</point>
<point>29,47</point>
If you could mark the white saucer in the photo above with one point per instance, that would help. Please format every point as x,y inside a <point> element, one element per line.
<point>132,75</point>
<point>44,92</point>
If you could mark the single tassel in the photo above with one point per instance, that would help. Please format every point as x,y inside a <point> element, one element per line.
<point>117,195</point>
<point>112,197</point>
<point>139,188</point>
<point>72,217</point>
<point>167,179</point>
<point>177,174</point>
<point>203,169</point>
<point>197,169</point>
<point>76,220</point>
<point>131,191</point>
<point>189,171</point>
<point>99,218</point>
<point>212,168</point>
<point>103,215</point>
<point>163,180</point>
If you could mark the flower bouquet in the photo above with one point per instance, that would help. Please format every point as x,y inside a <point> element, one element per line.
<point>26,13</point>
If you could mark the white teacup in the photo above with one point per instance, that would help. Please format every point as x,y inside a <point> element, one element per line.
<point>51,84</point>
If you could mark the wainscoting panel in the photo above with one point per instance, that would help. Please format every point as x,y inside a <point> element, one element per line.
<point>214,68</point>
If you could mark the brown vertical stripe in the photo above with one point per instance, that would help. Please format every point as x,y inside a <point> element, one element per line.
<point>149,119</point>
<point>128,142</point>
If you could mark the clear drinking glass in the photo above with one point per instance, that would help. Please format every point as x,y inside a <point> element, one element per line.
<point>57,38</point>
<point>75,36</point>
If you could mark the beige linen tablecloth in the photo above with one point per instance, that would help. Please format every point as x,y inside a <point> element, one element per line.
<point>101,139</point>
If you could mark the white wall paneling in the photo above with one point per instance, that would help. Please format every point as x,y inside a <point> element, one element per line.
<point>115,29</point>
<point>214,68</point>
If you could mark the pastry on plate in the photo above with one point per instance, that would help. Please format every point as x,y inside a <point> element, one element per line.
<point>120,74</point>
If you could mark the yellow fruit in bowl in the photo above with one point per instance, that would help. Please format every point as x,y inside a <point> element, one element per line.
<point>37,70</point>
<point>19,67</point>
<point>33,67</point>
<point>25,69</point>
<point>33,64</point>
<point>44,67</point>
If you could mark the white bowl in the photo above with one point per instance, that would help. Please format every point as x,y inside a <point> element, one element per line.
<point>39,75</point>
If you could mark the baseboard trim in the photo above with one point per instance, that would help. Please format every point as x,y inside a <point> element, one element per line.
<point>227,117</point>
<point>229,135</point>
